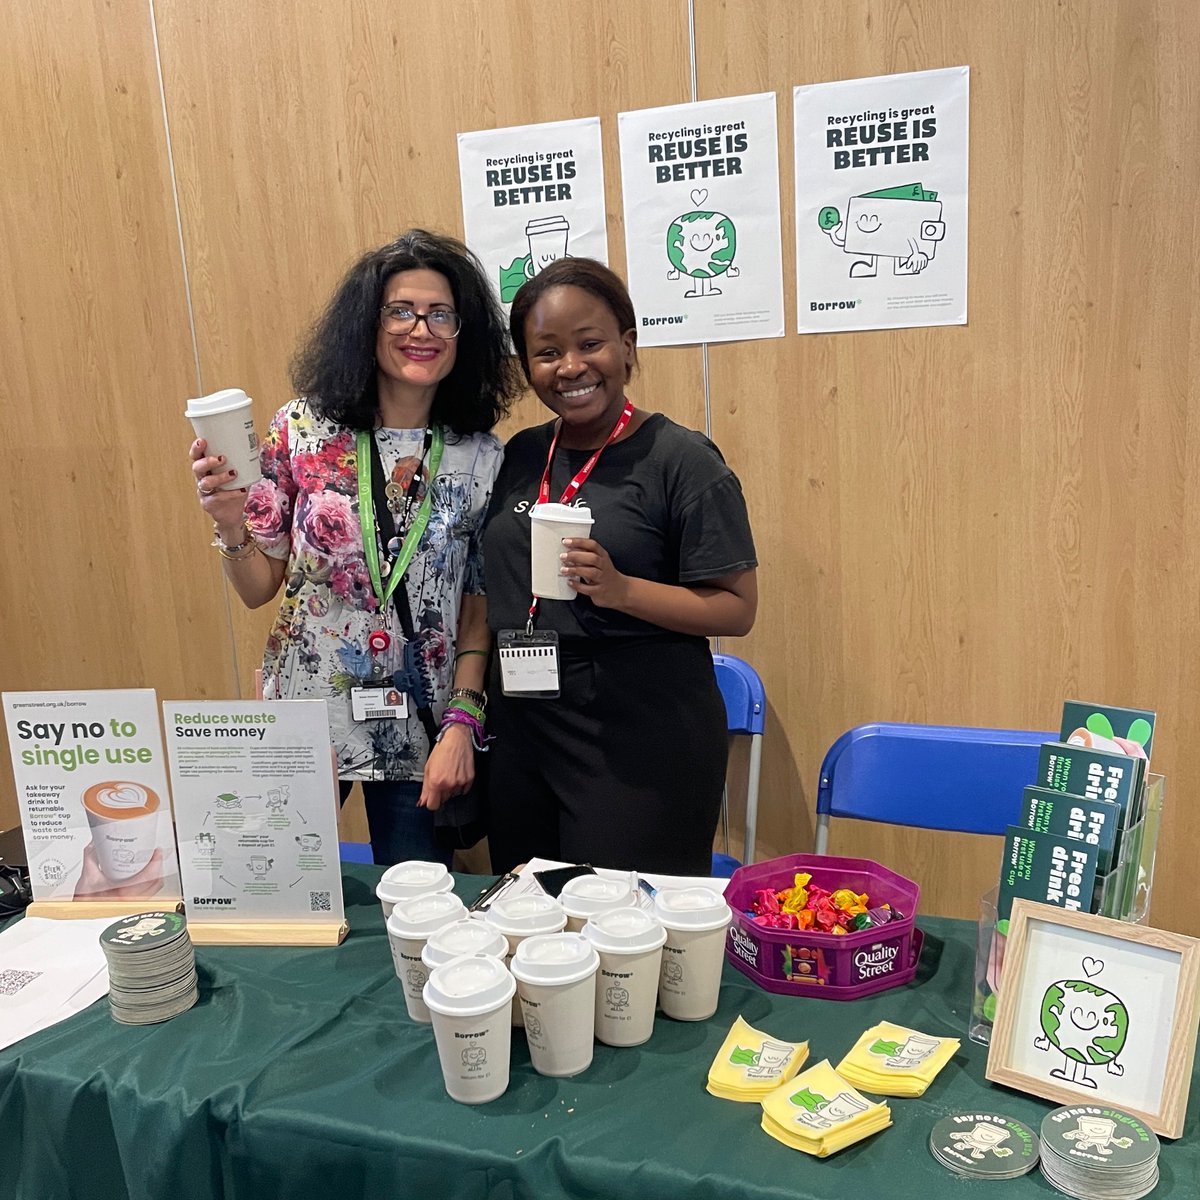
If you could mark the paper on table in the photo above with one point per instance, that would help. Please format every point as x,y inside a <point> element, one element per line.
<point>526,883</point>
<point>49,970</point>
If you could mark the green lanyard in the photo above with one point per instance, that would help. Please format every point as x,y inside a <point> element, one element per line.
<point>366,516</point>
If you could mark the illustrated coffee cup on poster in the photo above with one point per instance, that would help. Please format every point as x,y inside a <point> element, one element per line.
<point>123,817</point>
<point>550,523</point>
<point>225,421</point>
<point>547,242</point>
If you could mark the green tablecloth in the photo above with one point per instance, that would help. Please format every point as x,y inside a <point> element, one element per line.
<point>299,1074</point>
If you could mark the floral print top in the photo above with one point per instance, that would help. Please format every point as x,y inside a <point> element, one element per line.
<point>305,509</point>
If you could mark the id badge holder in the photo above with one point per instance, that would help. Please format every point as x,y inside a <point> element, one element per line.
<point>528,663</point>
<point>378,703</point>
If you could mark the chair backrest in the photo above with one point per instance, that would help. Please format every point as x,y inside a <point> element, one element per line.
<point>929,776</point>
<point>743,692</point>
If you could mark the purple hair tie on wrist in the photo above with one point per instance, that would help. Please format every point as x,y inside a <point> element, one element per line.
<point>456,716</point>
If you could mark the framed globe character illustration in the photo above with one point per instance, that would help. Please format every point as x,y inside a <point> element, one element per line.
<point>1096,1010</point>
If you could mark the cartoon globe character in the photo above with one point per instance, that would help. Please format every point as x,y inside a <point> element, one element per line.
<point>1087,1025</point>
<point>702,246</point>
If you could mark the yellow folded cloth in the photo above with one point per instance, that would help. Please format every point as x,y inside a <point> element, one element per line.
<point>893,1060</point>
<point>750,1064</point>
<point>820,1113</point>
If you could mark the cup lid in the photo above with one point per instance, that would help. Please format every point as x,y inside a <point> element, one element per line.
<point>468,986</point>
<point>554,958</point>
<point>218,402</point>
<point>691,908</point>
<point>578,513</point>
<point>423,915</point>
<point>413,878</point>
<point>464,936</point>
<point>525,915</point>
<point>625,931</point>
<point>588,894</point>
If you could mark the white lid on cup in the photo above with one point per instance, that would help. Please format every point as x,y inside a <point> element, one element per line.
<point>469,986</point>
<point>523,916</point>
<point>586,895</point>
<point>697,908</point>
<point>413,878</point>
<point>219,402</point>
<point>464,936</point>
<point>555,958</point>
<point>625,931</point>
<point>577,514</point>
<point>423,915</point>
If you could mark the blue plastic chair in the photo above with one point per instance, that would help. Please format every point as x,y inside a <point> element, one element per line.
<point>358,852</point>
<point>746,713</point>
<point>928,776</point>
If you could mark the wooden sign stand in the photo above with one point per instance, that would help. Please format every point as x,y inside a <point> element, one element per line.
<point>82,910</point>
<point>268,933</point>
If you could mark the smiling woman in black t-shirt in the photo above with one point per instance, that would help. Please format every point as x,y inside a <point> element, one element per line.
<point>625,767</point>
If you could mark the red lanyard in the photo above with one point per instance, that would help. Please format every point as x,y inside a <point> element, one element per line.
<point>580,478</point>
<point>584,471</point>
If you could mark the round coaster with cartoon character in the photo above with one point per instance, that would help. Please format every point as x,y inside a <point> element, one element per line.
<point>984,1145</point>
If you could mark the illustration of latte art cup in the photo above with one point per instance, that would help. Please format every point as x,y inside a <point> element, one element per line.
<point>124,821</point>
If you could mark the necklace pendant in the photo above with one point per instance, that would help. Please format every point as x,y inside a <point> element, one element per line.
<point>393,546</point>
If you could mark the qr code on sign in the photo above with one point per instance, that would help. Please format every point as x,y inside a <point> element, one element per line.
<point>319,902</point>
<point>11,982</point>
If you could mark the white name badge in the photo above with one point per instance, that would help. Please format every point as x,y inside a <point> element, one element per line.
<point>378,704</point>
<point>528,663</point>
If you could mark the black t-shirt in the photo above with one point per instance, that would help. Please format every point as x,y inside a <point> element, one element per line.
<point>664,504</point>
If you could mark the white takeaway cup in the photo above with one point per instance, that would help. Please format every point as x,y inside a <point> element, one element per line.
<point>629,942</point>
<point>695,919</point>
<point>588,896</point>
<point>408,928</point>
<point>519,917</point>
<point>124,820</point>
<point>469,999</point>
<point>549,524</point>
<point>225,421</point>
<point>410,879</point>
<point>468,935</point>
<point>556,988</point>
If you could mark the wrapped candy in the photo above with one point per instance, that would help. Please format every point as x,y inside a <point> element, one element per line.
<point>807,905</point>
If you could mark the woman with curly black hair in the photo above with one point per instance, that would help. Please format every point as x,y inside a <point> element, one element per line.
<point>375,483</point>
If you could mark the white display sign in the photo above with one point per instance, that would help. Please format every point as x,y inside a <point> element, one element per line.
<point>532,194</point>
<point>256,810</point>
<point>701,189</point>
<point>92,789</point>
<point>881,201</point>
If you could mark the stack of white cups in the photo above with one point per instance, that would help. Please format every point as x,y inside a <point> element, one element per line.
<point>555,976</point>
<point>629,942</point>
<point>690,981</point>
<point>408,880</point>
<point>588,896</point>
<point>408,927</point>
<point>519,917</point>
<point>470,999</point>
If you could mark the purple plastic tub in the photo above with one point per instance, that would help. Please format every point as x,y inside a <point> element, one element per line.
<point>835,966</point>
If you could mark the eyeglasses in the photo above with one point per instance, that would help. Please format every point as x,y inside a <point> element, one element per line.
<point>441,323</point>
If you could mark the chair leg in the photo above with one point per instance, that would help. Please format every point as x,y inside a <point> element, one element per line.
<point>821,840</point>
<point>752,797</point>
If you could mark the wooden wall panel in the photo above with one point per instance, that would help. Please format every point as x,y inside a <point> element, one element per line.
<point>99,587</point>
<point>967,525</point>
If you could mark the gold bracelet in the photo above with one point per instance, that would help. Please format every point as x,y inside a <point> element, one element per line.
<point>247,547</point>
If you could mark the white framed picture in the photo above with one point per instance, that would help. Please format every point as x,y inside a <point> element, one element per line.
<point>1091,1008</point>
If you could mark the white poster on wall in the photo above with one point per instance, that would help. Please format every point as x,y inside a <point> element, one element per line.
<point>92,790</point>
<point>881,201</point>
<point>256,810</point>
<point>701,192</point>
<point>532,194</point>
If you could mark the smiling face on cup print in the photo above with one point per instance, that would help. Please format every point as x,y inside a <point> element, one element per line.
<point>578,345</point>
